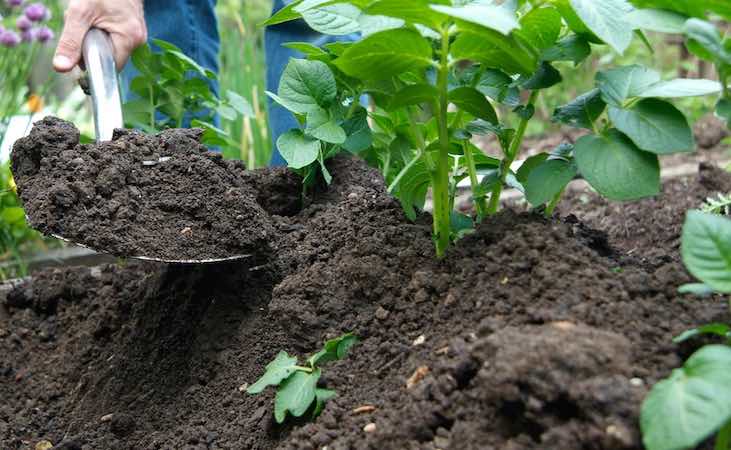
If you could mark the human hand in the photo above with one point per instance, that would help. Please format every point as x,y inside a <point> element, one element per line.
<point>124,20</point>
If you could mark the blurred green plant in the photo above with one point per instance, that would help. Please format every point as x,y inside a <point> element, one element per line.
<point>16,237</point>
<point>172,87</point>
<point>243,71</point>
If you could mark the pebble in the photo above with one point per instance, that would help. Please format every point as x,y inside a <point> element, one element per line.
<point>637,382</point>
<point>43,445</point>
<point>244,387</point>
<point>381,313</point>
<point>419,341</point>
<point>107,417</point>
<point>370,428</point>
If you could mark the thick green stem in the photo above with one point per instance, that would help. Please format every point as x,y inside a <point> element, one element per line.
<point>723,440</point>
<point>440,177</point>
<point>401,174</point>
<point>512,153</point>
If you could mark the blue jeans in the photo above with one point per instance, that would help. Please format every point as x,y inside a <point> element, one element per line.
<point>191,25</point>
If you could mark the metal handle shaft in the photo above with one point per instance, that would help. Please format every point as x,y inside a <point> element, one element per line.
<point>102,76</point>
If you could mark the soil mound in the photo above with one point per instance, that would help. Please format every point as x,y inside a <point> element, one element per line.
<point>162,196</point>
<point>529,335</point>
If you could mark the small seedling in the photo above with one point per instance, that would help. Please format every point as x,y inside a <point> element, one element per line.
<point>296,385</point>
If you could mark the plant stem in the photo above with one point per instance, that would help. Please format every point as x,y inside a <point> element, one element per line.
<point>304,369</point>
<point>440,177</point>
<point>552,206</point>
<point>510,157</point>
<point>401,174</point>
<point>480,202</point>
<point>723,440</point>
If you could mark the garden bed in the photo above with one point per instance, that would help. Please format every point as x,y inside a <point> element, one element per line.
<point>531,334</point>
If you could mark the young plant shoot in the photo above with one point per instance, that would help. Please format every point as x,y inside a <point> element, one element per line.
<point>434,73</point>
<point>296,385</point>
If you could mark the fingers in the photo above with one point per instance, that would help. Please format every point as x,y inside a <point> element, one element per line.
<point>68,52</point>
<point>127,40</point>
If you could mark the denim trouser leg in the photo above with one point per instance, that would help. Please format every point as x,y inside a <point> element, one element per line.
<point>190,25</point>
<point>277,57</point>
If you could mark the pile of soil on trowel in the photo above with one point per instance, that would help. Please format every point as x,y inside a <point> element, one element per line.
<point>161,196</point>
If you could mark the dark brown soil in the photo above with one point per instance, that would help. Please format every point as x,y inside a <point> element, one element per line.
<point>529,335</point>
<point>159,196</point>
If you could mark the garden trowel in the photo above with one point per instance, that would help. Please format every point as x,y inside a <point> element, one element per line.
<point>102,85</point>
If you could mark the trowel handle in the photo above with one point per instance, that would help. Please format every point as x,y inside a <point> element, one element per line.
<point>101,71</point>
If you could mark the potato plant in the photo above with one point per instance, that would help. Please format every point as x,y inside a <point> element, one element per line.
<point>297,390</point>
<point>434,71</point>
<point>695,401</point>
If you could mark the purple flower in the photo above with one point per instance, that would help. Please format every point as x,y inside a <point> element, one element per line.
<point>9,38</point>
<point>44,34</point>
<point>28,35</point>
<point>36,12</point>
<point>13,3</point>
<point>23,23</point>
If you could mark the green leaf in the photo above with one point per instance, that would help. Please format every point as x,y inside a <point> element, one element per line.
<point>541,27</point>
<point>697,289</point>
<point>723,110</point>
<point>623,83</point>
<point>321,126</point>
<point>285,14</point>
<point>13,215</point>
<point>717,329</point>
<point>706,249</point>
<point>321,397</point>
<point>616,168</point>
<point>583,111</point>
<point>375,24</point>
<point>529,165</point>
<point>297,149</point>
<point>571,48</point>
<point>494,50</point>
<point>657,20</point>
<point>606,20</point>
<point>655,126</point>
<point>276,371</point>
<point>307,86</point>
<point>414,94</point>
<point>412,189</point>
<point>412,11</point>
<point>473,102</point>
<point>486,15</point>
<point>296,394</point>
<point>695,401</point>
<point>545,77</point>
<point>682,87</point>
<point>240,104</point>
<point>706,36</point>
<point>548,180</point>
<point>334,20</point>
<point>499,86</point>
<point>386,54</point>
<point>333,350</point>
<point>360,136</point>
<point>309,50</point>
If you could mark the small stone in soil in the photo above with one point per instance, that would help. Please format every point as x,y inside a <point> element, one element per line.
<point>418,375</point>
<point>370,428</point>
<point>419,341</point>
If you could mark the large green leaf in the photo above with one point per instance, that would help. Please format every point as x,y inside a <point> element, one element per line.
<point>616,168</point>
<point>335,20</point>
<point>659,20</point>
<point>494,50</point>
<point>386,54</point>
<point>474,102</point>
<point>297,149</point>
<point>412,11</point>
<point>655,126</point>
<point>605,19</point>
<point>486,15</point>
<point>360,136</point>
<point>306,86</point>
<point>695,8</point>
<point>682,87</point>
<point>583,111</point>
<point>695,401</point>
<point>413,95</point>
<point>541,27</point>
<point>276,371</point>
<point>548,180</point>
<point>706,249</point>
<point>707,36</point>
<point>296,394</point>
<point>623,83</point>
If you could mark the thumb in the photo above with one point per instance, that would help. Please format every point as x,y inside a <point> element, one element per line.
<point>68,52</point>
